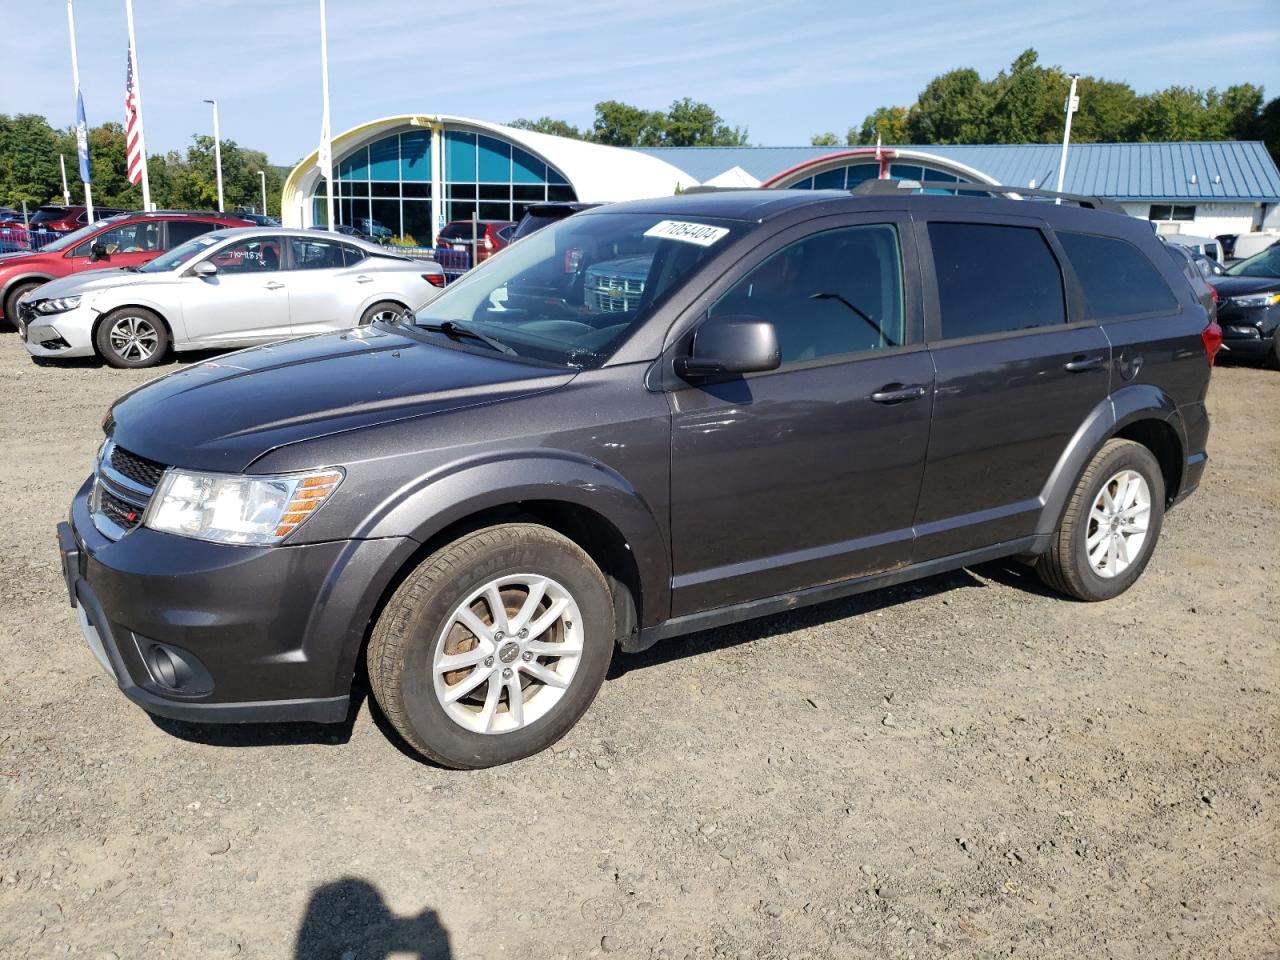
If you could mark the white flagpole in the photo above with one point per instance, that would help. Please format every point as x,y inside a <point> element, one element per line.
<point>137,98</point>
<point>75,82</point>
<point>62,165</point>
<point>327,146</point>
<point>1073,104</point>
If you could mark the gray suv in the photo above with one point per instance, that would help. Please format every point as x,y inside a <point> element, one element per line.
<point>810,394</point>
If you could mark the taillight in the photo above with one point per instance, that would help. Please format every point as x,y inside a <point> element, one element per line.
<point>435,279</point>
<point>1212,338</point>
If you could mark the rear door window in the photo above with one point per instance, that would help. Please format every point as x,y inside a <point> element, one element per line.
<point>180,231</point>
<point>1117,277</point>
<point>994,278</point>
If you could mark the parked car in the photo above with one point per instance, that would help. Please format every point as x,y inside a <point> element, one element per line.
<point>14,238</point>
<point>259,219</point>
<point>372,228</point>
<point>1246,245</point>
<point>488,236</point>
<point>497,497</point>
<point>1205,246</point>
<point>59,219</point>
<point>1249,307</point>
<point>346,230</point>
<point>123,241</point>
<point>232,288</point>
<point>539,215</point>
<point>1193,267</point>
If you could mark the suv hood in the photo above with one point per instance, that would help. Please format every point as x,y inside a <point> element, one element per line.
<point>224,414</point>
<point>1240,286</point>
<point>88,281</point>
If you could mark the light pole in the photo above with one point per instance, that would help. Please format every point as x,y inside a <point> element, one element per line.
<point>263,177</point>
<point>1073,104</point>
<point>217,151</point>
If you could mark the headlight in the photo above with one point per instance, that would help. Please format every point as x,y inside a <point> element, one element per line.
<point>226,508</point>
<point>57,304</point>
<point>1256,300</point>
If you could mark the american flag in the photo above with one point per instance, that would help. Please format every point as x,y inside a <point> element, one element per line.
<point>132,126</point>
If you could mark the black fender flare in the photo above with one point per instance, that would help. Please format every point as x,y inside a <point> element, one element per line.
<point>434,502</point>
<point>1129,404</point>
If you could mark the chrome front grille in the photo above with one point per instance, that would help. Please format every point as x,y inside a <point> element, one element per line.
<point>122,488</point>
<point>611,294</point>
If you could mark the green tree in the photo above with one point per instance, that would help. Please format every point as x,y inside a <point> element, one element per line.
<point>690,123</point>
<point>1027,103</point>
<point>891,123</point>
<point>559,128</point>
<point>1268,127</point>
<point>622,125</point>
<point>29,161</point>
<point>1108,112</point>
<point>953,108</point>
<point>827,139</point>
<point>1175,113</point>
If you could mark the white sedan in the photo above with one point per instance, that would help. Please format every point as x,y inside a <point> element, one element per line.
<point>229,288</point>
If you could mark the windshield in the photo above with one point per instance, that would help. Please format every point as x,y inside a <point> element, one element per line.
<point>71,239</point>
<point>570,294</point>
<point>181,255</point>
<point>1264,264</point>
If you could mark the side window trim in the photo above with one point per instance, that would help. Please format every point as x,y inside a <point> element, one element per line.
<point>1074,303</point>
<point>680,333</point>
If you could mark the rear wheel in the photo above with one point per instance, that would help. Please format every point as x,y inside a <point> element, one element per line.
<point>11,299</point>
<point>493,647</point>
<point>131,337</point>
<point>1110,526</point>
<point>383,312</point>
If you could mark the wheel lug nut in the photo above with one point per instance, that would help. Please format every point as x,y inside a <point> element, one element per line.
<point>499,635</point>
<point>528,655</point>
<point>506,673</point>
<point>488,661</point>
<point>524,633</point>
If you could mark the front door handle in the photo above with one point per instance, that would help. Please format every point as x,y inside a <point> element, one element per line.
<point>363,279</point>
<point>897,393</point>
<point>1080,364</point>
<point>275,285</point>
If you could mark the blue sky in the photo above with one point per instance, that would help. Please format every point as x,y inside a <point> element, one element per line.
<point>785,70</point>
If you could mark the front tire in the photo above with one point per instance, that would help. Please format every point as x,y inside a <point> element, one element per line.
<point>494,647</point>
<point>1110,526</point>
<point>11,300</point>
<point>131,338</point>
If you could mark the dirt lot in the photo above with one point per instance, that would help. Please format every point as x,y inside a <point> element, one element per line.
<point>963,767</point>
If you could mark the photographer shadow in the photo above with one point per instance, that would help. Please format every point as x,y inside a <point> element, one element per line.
<point>348,920</point>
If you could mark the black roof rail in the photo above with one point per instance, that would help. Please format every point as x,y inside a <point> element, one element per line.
<point>705,188</point>
<point>880,188</point>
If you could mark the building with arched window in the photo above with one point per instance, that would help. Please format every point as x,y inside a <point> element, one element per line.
<point>407,176</point>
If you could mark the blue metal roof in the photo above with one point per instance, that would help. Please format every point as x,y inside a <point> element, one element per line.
<point>1226,170</point>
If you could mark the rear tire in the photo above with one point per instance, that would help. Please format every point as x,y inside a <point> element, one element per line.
<point>468,688</point>
<point>13,296</point>
<point>383,310</point>
<point>131,338</point>
<point>1110,526</point>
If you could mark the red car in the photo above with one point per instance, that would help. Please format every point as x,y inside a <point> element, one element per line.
<point>126,240</point>
<point>58,219</point>
<point>490,237</point>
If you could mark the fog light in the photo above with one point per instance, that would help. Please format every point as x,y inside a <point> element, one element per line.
<point>168,667</point>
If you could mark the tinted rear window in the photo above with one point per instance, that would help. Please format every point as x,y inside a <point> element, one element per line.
<point>461,231</point>
<point>995,279</point>
<point>1117,277</point>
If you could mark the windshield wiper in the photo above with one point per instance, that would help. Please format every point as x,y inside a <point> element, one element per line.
<point>874,326</point>
<point>455,330</point>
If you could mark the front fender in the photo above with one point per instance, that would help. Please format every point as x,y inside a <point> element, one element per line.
<point>426,506</point>
<point>1129,404</point>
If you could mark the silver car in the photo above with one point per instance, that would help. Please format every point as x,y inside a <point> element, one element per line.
<point>229,288</point>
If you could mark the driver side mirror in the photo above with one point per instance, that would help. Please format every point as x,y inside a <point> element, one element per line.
<point>204,269</point>
<point>98,252</point>
<point>731,345</point>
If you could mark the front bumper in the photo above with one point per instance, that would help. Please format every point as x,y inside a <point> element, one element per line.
<point>1248,332</point>
<point>210,632</point>
<point>44,335</point>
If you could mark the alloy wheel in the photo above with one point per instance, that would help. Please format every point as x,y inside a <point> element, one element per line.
<point>133,338</point>
<point>507,653</point>
<point>1118,524</point>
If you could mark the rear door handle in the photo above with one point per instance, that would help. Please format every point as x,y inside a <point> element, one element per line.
<point>275,285</point>
<point>897,393</point>
<point>1080,364</point>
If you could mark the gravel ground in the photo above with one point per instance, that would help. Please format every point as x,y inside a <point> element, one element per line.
<point>963,767</point>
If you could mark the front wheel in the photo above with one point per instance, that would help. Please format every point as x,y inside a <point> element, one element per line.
<point>1110,526</point>
<point>493,647</point>
<point>132,337</point>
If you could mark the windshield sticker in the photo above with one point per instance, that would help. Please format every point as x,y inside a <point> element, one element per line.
<point>699,233</point>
